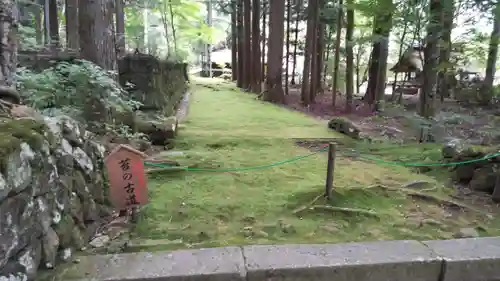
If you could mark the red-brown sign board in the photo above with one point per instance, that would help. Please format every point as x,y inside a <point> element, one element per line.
<point>127,178</point>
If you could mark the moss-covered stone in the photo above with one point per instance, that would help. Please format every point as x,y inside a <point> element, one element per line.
<point>344,126</point>
<point>15,132</point>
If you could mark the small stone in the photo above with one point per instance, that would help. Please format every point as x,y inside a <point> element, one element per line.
<point>100,241</point>
<point>418,184</point>
<point>249,219</point>
<point>467,232</point>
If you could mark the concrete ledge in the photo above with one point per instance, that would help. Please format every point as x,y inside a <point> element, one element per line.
<point>472,259</point>
<point>217,264</point>
<point>375,261</point>
<point>475,259</point>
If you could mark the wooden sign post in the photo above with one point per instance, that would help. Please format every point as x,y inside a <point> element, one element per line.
<point>127,178</point>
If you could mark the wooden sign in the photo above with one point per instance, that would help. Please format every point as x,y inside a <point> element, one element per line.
<point>127,178</point>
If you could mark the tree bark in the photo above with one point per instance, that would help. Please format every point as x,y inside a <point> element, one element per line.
<point>120,27</point>
<point>444,86</point>
<point>8,46</point>
<point>287,43</point>
<point>336,62</point>
<point>234,43</point>
<point>274,89</point>
<point>241,42</point>
<point>96,32</point>
<point>247,46</point>
<point>304,93</point>
<point>53,23</point>
<point>378,66</point>
<point>72,40</point>
<point>431,59</point>
<point>486,88</point>
<point>315,76</point>
<point>263,53</point>
<point>296,39</point>
<point>349,70</point>
<point>256,81</point>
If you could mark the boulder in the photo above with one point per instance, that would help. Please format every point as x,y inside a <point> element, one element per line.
<point>159,130</point>
<point>484,179</point>
<point>344,126</point>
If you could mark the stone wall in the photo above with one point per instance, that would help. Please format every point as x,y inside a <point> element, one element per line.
<point>158,84</point>
<point>160,87</point>
<point>52,191</point>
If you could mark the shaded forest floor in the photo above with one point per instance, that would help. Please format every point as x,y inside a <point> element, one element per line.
<point>227,128</point>
<point>400,123</point>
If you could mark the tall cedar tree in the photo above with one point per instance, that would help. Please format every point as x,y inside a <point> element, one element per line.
<point>274,90</point>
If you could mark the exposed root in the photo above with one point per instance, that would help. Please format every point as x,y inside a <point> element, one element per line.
<point>430,198</point>
<point>311,207</point>
<point>349,211</point>
<point>308,205</point>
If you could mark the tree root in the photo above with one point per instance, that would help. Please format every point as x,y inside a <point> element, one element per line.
<point>430,198</point>
<point>344,210</point>
<point>310,206</point>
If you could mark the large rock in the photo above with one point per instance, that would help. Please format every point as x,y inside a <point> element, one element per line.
<point>344,126</point>
<point>159,130</point>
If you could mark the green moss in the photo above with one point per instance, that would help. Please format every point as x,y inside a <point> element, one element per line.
<point>15,132</point>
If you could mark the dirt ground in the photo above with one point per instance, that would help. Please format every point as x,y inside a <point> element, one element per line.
<point>400,123</point>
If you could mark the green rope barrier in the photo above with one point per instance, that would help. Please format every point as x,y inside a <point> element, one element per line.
<point>406,164</point>
<point>286,161</point>
<point>297,158</point>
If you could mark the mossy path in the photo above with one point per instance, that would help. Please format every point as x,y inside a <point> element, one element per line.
<point>226,128</point>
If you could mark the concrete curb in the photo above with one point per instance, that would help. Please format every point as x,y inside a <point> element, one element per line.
<point>476,259</point>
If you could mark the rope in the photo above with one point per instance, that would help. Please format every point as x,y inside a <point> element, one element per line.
<point>406,164</point>
<point>252,168</point>
<point>298,158</point>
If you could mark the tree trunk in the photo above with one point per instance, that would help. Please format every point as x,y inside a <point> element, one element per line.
<point>320,52</point>
<point>8,48</point>
<point>256,81</point>
<point>274,89</point>
<point>444,86</point>
<point>486,89</point>
<point>377,72</point>
<point>336,63</point>
<point>304,93</point>
<point>241,43</point>
<point>296,39</point>
<point>431,57</point>
<point>263,53</point>
<point>247,46</point>
<point>96,36</point>
<point>234,43</point>
<point>120,27</point>
<point>327,52</point>
<point>38,24</point>
<point>53,23</point>
<point>72,40</point>
<point>349,68</point>
<point>315,75</point>
<point>400,52</point>
<point>287,43</point>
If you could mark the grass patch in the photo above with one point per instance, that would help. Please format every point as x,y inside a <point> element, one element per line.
<point>230,129</point>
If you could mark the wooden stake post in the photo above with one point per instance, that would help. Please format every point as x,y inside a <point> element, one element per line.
<point>496,192</point>
<point>330,170</point>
